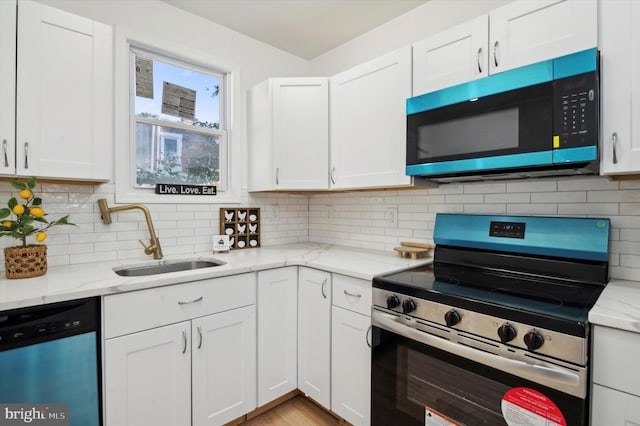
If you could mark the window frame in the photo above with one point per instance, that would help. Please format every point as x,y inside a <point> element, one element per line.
<point>126,188</point>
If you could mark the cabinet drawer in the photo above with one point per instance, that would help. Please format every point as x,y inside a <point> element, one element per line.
<point>615,357</point>
<point>140,310</point>
<point>352,293</point>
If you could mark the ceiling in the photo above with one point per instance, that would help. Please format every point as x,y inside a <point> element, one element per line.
<point>305,28</point>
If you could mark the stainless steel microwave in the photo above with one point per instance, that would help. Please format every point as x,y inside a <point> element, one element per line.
<point>538,120</point>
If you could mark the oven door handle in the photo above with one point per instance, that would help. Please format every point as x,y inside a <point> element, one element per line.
<point>548,375</point>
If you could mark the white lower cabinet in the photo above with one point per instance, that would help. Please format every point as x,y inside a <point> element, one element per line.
<point>223,366</point>
<point>277,333</point>
<point>350,366</point>
<point>615,398</point>
<point>314,334</point>
<point>148,377</point>
<point>614,408</point>
<point>351,349</point>
<point>182,354</point>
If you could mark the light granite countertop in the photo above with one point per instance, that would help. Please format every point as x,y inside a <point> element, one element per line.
<point>618,306</point>
<point>98,279</point>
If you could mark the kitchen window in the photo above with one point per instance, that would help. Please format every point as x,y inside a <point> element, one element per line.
<point>180,131</point>
<point>173,120</point>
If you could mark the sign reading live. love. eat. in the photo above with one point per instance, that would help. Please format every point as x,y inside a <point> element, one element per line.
<point>180,189</point>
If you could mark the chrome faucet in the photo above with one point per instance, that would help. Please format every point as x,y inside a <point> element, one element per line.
<point>154,243</point>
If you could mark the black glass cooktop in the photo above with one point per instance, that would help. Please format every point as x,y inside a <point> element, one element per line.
<point>555,305</point>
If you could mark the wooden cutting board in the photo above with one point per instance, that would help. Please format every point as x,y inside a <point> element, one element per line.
<point>413,250</point>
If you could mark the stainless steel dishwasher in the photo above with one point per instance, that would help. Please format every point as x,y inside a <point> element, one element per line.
<point>49,354</point>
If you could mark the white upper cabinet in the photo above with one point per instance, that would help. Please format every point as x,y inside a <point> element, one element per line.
<point>288,134</point>
<point>619,41</point>
<point>7,85</point>
<point>368,123</point>
<point>451,57</point>
<point>520,33</point>
<point>64,86</point>
<point>528,31</point>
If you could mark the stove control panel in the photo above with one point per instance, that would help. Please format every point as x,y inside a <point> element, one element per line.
<point>505,331</point>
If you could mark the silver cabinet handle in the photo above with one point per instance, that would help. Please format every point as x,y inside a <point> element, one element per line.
<point>614,141</point>
<point>324,295</point>
<point>367,336</point>
<point>200,337</point>
<point>4,150</point>
<point>184,339</point>
<point>352,294</point>
<point>26,155</point>
<point>480,60</point>
<point>332,175</point>
<point>190,301</point>
<point>277,175</point>
<point>495,53</point>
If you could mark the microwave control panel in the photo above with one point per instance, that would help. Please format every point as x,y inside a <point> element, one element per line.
<point>576,111</point>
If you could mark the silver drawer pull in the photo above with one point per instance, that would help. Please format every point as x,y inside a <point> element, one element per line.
<point>324,294</point>
<point>495,53</point>
<point>480,60</point>
<point>184,339</point>
<point>200,334</point>
<point>352,294</point>
<point>366,337</point>
<point>191,301</point>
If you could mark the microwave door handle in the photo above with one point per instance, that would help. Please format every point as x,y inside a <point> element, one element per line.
<point>565,381</point>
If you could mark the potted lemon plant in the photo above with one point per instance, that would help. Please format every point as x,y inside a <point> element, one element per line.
<point>21,219</point>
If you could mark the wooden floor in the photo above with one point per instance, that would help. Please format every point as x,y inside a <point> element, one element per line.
<point>297,411</point>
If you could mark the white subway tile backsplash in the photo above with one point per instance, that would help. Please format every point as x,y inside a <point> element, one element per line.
<point>532,185</point>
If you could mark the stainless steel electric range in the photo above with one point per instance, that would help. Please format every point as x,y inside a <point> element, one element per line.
<point>495,332</point>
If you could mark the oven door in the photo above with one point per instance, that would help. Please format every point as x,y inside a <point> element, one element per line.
<point>421,379</point>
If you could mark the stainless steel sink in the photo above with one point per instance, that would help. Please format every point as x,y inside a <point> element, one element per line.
<point>166,267</point>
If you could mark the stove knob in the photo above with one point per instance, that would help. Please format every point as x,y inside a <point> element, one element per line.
<point>533,339</point>
<point>408,305</point>
<point>452,317</point>
<point>392,301</point>
<point>507,332</point>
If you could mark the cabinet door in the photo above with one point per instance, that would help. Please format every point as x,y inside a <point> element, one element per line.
<point>277,333</point>
<point>7,85</point>
<point>525,32</point>
<point>64,95</point>
<point>368,123</point>
<point>224,366</point>
<point>620,96</point>
<point>614,408</point>
<point>314,334</point>
<point>148,377</point>
<point>350,366</point>
<point>301,132</point>
<point>451,57</point>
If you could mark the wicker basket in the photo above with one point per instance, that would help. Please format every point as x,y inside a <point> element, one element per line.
<point>25,262</point>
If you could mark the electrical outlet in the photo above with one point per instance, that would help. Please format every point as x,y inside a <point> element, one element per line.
<point>391,217</point>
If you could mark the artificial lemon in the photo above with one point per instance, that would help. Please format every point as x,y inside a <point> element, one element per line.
<point>25,193</point>
<point>41,236</point>
<point>7,223</point>
<point>36,212</point>
<point>19,209</point>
